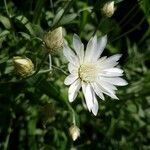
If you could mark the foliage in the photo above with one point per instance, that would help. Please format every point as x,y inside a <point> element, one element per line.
<point>35,112</point>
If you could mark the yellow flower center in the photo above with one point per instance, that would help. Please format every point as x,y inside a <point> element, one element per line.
<point>88,72</point>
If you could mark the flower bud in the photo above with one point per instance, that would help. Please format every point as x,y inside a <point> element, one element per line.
<point>108,9</point>
<point>53,40</point>
<point>74,132</point>
<point>23,66</point>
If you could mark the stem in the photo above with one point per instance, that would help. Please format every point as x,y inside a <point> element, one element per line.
<point>44,71</point>
<point>37,11</point>
<point>60,70</point>
<point>72,111</point>
<point>99,25</point>
<point>130,11</point>
<point>50,61</point>
<point>131,30</point>
<point>5,3</point>
<point>8,136</point>
<point>65,11</point>
<point>52,5</point>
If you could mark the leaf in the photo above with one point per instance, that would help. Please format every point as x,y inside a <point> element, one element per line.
<point>57,17</point>
<point>4,33</point>
<point>38,31</point>
<point>24,21</point>
<point>5,21</point>
<point>25,35</point>
<point>68,18</point>
<point>145,5</point>
<point>44,87</point>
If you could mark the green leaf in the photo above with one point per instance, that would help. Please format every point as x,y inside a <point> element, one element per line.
<point>4,33</point>
<point>25,35</point>
<point>24,21</point>
<point>5,21</point>
<point>68,18</point>
<point>57,17</point>
<point>145,5</point>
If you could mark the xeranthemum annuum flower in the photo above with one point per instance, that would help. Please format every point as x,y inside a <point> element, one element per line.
<point>96,75</point>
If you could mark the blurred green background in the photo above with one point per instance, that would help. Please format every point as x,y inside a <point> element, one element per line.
<point>35,113</point>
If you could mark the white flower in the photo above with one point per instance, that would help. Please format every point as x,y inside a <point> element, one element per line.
<point>96,76</point>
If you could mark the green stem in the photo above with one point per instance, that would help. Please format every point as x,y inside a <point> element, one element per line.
<point>72,112</point>
<point>37,11</point>
<point>68,5</point>
<point>8,136</point>
<point>52,5</point>
<point>5,3</point>
<point>131,30</point>
<point>103,19</point>
<point>44,71</point>
<point>50,61</point>
<point>55,67</point>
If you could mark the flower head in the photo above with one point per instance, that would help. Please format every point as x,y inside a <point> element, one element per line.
<point>74,132</point>
<point>23,66</point>
<point>108,9</point>
<point>53,40</point>
<point>96,75</point>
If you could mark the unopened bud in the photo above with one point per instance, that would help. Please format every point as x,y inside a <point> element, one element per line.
<point>53,40</point>
<point>23,66</point>
<point>108,9</point>
<point>74,132</point>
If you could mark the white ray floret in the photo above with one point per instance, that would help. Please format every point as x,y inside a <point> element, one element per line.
<point>94,74</point>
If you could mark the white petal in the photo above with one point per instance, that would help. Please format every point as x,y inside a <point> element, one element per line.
<point>91,49</point>
<point>111,72</point>
<point>73,69</point>
<point>109,62</point>
<point>98,91</point>
<point>78,47</point>
<point>87,91</point>
<point>81,54</point>
<point>112,95</point>
<point>101,44</point>
<point>102,59</point>
<point>115,81</point>
<point>107,86</point>
<point>114,70</point>
<point>70,79</point>
<point>70,55</point>
<point>73,90</point>
<point>95,105</point>
<point>76,43</point>
<point>115,57</point>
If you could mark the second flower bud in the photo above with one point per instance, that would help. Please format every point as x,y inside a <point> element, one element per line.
<point>53,40</point>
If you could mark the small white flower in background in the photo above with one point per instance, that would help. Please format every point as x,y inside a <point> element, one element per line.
<point>96,76</point>
<point>74,132</point>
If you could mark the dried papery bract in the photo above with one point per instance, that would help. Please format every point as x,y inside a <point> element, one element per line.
<point>108,9</point>
<point>53,41</point>
<point>23,66</point>
<point>74,132</point>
